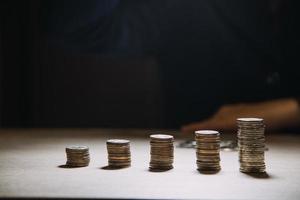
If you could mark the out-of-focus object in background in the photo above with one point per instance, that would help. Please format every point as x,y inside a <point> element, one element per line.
<point>278,114</point>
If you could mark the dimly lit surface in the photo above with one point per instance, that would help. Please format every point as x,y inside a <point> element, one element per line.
<point>30,159</point>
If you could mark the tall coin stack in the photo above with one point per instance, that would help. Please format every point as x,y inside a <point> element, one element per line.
<point>77,156</point>
<point>251,143</point>
<point>118,153</point>
<point>162,152</point>
<point>208,151</point>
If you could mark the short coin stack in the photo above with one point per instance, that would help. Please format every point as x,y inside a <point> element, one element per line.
<point>77,156</point>
<point>251,143</point>
<point>208,151</point>
<point>118,153</point>
<point>162,152</point>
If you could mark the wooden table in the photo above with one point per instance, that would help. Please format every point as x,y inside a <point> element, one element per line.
<point>30,160</point>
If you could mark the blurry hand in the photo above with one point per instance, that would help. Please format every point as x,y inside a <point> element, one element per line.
<point>276,113</point>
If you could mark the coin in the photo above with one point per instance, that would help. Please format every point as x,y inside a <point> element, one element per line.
<point>208,151</point>
<point>119,155</point>
<point>117,142</point>
<point>77,156</point>
<point>161,152</point>
<point>161,137</point>
<point>251,144</point>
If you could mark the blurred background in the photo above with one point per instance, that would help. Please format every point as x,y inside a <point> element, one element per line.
<point>142,64</point>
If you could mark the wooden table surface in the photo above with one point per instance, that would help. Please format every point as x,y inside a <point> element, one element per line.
<point>30,160</point>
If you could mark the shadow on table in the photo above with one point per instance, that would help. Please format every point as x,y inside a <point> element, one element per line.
<point>208,173</point>
<point>112,168</point>
<point>158,170</point>
<point>264,175</point>
<point>69,167</point>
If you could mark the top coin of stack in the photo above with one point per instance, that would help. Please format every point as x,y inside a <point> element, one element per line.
<point>77,156</point>
<point>118,153</point>
<point>162,152</point>
<point>208,151</point>
<point>251,143</point>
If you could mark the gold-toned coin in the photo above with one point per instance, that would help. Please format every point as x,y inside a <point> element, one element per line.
<point>161,152</point>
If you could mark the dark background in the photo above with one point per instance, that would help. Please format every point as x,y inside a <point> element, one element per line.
<point>46,86</point>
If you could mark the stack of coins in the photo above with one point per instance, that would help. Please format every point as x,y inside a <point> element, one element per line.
<point>77,156</point>
<point>118,153</point>
<point>208,151</point>
<point>162,152</point>
<point>251,143</point>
